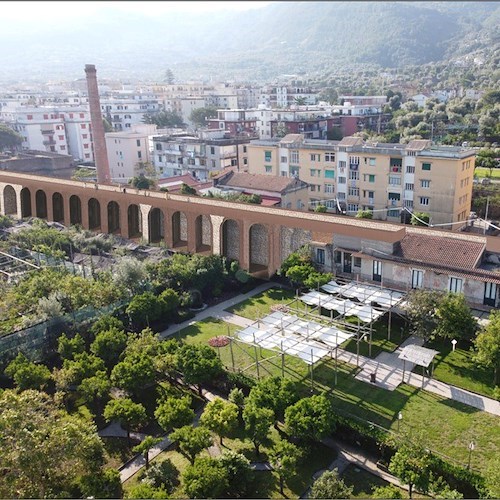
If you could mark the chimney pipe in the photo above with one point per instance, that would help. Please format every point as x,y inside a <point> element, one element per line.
<point>100,151</point>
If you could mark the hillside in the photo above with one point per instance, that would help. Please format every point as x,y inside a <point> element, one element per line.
<point>283,37</point>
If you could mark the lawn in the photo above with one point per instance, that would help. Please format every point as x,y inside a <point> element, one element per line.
<point>260,305</point>
<point>458,369</point>
<point>481,172</point>
<point>363,481</point>
<point>448,426</point>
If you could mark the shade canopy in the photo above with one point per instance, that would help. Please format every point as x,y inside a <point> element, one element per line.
<point>418,355</point>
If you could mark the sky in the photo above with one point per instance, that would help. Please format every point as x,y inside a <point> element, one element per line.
<point>57,11</point>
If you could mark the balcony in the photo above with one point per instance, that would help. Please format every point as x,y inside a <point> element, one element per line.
<point>48,132</point>
<point>49,142</point>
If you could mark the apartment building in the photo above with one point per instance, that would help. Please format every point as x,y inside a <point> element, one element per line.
<point>392,180</point>
<point>123,113</point>
<point>173,156</point>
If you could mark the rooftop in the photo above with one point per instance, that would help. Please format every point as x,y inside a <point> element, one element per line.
<point>258,182</point>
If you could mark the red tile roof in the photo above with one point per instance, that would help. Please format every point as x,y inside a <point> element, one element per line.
<point>441,251</point>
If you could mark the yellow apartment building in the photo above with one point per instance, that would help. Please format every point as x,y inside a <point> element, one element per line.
<point>392,180</point>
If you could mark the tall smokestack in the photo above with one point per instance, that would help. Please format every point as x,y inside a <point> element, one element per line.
<point>100,152</point>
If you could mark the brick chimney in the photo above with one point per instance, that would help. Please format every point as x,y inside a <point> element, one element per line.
<point>100,152</point>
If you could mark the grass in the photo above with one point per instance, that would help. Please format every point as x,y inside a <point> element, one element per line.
<point>260,305</point>
<point>457,368</point>
<point>362,481</point>
<point>485,172</point>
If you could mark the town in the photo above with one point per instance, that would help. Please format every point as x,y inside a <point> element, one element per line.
<point>228,288</point>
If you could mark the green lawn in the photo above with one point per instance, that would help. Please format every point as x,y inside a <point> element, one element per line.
<point>362,481</point>
<point>481,172</point>
<point>260,305</point>
<point>458,369</point>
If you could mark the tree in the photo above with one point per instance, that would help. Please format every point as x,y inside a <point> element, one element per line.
<point>420,219</point>
<point>487,345</point>
<point>258,421</point>
<point>237,397</point>
<point>141,182</point>
<point>191,440</point>
<point>84,174</point>
<point>134,372</point>
<point>96,388</point>
<point>411,464</point>
<point>320,209</point>
<point>73,372</point>
<point>198,364</point>
<point>130,415</point>
<point>421,309</point>
<point>170,301</point>
<point>174,412</point>
<point>455,318</point>
<point>330,485</point>
<point>169,76</point>
<point>310,418</point>
<point>364,214</point>
<point>144,308</point>
<point>488,158</point>
<point>389,491</point>
<point>205,478</point>
<point>164,119</point>
<point>131,274</point>
<point>144,446</point>
<point>9,139</point>
<point>199,116</point>
<point>275,393</point>
<point>284,458</point>
<point>68,347</point>
<point>240,475</point>
<point>103,484</point>
<point>162,475</point>
<point>145,490</point>
<point>492,477</point>
<point>28,375</point>
<point>43,449</point>
<point>108,345</point>
<point>106,322</point>
<point>299,274</point>
<point>188,190</point>
<point>220,417</point>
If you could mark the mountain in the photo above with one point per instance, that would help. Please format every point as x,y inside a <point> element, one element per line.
<point>281,37</point>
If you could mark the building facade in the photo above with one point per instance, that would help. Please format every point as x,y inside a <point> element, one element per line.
<point>391,180</point>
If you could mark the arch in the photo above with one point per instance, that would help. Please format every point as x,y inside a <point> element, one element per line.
<point>57,207</point>
<point>9,200</point>
<point>179,229</point>
<point>26,203</point>
<point>156,224</point>
<point>75,210</point>
<point>203,231</point>
<point>113,217</point>
<point>94,214</point>
<point>41,204</point>
<point>259,247</point>
<point>231,239</point>
<point>134,221</point>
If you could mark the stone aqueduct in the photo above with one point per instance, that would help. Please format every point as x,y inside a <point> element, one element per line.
<point>258,237</point>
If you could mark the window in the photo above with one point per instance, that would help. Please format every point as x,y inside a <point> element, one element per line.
<point>87,155</point>
<point>329,174</point>
<point>341,196</point>
<point>417,278</point>
<point>329,188</point>
<point>160,158</point>
<point>329,156</point>
<point>426,166</point>
<point>330,204</point>
<point>267,155</point>
<point>71,115</point>
<point>393,213</point>
<point>85,146</point>
<point>315,172</point>
<point>84,136</point>
<point>377,270</point>
<point>138,141</point>
<point>394,180</point>
<point>357,262</point>
<point>342,164</point>
<point>315,157</point>
<point>46,117</point>
<point>82,115</point>
<point>369,177</point>
<point>352,207</point>
<point>354,160</point>
<point>294,171</point>
<point>353,191</point>
<point>354,175</point>
<point>490,294</point>
<point>394,196</point>
<point>409,186</point>
<point>410,169</point>
<point>320,255</point>
<point>337,257</point>
<point>139,155</point>
<point>425,183</point>
<point>268,168</point>
<point>294,157</point>
<point>244,149</point>
<point>61,137</point>
<point>83,125</point>
<point>371,162</point>
<point>456,285</point>
<point>342,180</point>
<point>424,200</point>
<point>369,194</point>
<point>283,159</point>
<point>29,117</point>
<point>62,148</point>
<point>408,203</point>
<point>158,147</point>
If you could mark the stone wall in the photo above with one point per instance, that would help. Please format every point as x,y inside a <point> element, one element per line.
<point>232,239</point>
<point>259,245</point>
<point>292,240</point>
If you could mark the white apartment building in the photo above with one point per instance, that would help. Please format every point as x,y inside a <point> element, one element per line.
<point>122,114</point>
<point>127,150</point>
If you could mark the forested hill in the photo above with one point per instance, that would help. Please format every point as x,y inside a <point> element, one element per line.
<point>282,37</point>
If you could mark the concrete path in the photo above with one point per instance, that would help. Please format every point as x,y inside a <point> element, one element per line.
<point>218,311</point>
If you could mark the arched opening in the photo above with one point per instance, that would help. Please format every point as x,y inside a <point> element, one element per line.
<point>113,217</point>
<point>75,210</point>
<point>203,230</point>
<point>10,200</point>
<point>134,221</point>
<point>94,214</point>
<point>231,239</point>
<point>259,248</point>
<point>179,229</point>
<point>156,225</point>
<point>25,203</point>
<point>58,207</point>
<point>41,204</point>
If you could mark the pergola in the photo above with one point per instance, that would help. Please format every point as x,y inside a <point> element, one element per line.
<point>418,355</point>
<point>289,334</point>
